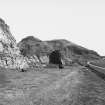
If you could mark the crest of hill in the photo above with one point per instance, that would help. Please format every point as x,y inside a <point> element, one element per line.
<point>31,38</point>
<point>59,43</point>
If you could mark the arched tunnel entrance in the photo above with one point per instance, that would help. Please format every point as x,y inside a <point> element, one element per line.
<point>55,58</point>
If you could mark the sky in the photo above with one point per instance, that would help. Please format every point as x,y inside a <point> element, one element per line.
<point>79,21</point>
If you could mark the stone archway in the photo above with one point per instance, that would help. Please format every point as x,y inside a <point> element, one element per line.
<point>55,58</point>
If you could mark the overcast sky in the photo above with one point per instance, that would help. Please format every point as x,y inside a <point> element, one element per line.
<point>79,21</point>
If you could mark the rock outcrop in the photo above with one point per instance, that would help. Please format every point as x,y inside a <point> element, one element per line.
<point>31,46</point>
<point>10,55</point>
<point>5,34</point>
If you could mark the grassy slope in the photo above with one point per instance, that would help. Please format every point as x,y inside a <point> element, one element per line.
<point>100,63</point>
<point>70,86</point>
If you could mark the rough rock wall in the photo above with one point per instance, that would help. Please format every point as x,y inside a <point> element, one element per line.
<point>5,34</point>
<point>10,56</point>
<point>8,49</point>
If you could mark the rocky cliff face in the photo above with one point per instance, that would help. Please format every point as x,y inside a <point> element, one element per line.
<point>8,49</point>
<point>10,56</point>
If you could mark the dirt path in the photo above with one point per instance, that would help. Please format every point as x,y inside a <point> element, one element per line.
<point>70,86</point>
<point>31,87</point>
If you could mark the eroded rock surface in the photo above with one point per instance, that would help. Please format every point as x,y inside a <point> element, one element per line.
<point>10,56</point>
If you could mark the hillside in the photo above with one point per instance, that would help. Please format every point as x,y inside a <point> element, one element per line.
<point>30,46</point>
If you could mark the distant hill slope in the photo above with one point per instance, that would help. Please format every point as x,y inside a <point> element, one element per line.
<point>31,45</point>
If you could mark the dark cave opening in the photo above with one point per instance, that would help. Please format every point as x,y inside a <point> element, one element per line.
<point>55,58</point>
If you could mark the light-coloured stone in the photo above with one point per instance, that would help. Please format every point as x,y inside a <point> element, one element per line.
<point>8,47</point>
<point>44,59</point>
